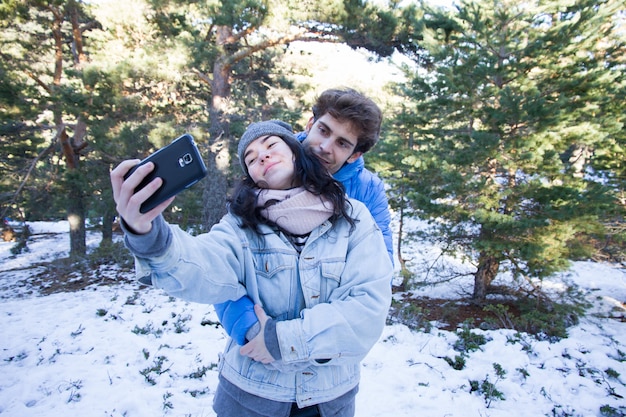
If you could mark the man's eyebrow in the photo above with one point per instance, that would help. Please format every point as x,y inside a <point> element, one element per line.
<point>247,152</point>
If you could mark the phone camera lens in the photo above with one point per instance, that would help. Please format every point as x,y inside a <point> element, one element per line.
<point>187,158</point>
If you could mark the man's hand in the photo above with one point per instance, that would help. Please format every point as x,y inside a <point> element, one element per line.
<point>255,349</point>
<point>128,203</point>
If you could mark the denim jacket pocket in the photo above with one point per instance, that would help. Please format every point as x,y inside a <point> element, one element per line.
<point>275,279</point>
<point>331,278</point>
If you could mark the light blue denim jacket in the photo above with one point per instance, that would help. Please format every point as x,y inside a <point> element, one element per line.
<point>330,302</point>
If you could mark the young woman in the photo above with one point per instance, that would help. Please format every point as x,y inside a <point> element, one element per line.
<point>344,126</point>
<point>313,262</point>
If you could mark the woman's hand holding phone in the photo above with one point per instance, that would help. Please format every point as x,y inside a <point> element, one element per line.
<point>143,189</point>
<point>128,203</point>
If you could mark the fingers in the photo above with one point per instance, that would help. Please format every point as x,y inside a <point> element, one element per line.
<point>248,348</point>
<point>159,209</point>
<point>256,350</point>
<point>128,203</point>
<point>117,175</point>
<point>260,314</point>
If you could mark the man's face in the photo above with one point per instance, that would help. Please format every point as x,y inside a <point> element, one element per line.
<point>332,141</point>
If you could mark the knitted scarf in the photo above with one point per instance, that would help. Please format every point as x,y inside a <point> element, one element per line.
<point>297,211</point>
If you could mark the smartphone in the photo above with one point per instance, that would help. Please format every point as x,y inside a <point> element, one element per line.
<point>178,164</point>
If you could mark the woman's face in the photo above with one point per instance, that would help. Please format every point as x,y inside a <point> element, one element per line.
<point>270,163</point>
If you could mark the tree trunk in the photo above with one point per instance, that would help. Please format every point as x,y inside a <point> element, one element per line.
<point>76,217</point>
<point>107,231</point>
<point>77,38</point>
<point>404,271</point>
<point>76,204</point>
<point>70,146</point>
<point>216,182</point>
<point>108,217</point>
<point>488,267</point>
<point>218,158</point>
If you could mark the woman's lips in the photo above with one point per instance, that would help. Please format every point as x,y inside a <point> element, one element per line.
<point>268,167</point>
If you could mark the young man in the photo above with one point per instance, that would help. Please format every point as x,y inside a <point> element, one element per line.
<point>345,125</point>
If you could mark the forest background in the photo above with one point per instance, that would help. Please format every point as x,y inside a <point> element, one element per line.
<point>504,119</point>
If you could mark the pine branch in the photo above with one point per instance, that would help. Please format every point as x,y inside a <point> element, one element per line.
<point>26,176</point>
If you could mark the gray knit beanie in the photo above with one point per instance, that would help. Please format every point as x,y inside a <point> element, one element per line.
<point>256,130</point>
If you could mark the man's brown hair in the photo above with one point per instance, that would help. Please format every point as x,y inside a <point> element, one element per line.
<point>348,105</point>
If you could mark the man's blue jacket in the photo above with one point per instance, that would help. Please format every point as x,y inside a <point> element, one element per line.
<point>361,184</point>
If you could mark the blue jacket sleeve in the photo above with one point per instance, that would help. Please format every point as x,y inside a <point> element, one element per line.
<point>378,206</point>
<point>365,186</point>
<point>237,317</point>
<point>369,189</point>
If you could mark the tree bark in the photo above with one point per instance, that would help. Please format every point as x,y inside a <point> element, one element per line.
<point>70,148</point>
<point>404,271</point>
<point>77,39</point>
<point>76,218</point>
<point>488,267</point>
<point>218,152</point>
<point>107,228</point>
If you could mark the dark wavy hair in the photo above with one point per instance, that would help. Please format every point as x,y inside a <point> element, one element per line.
<point>309,172</point>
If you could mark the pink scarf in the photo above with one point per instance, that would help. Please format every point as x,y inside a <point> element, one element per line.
<point>296,210</point>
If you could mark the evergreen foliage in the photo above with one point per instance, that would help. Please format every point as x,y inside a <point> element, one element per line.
<point>509,135</point>
<point>503,141</point>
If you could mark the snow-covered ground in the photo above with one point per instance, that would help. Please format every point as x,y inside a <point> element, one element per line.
<point>123,350</point>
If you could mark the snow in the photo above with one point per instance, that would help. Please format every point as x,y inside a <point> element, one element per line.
<point>120,349</point>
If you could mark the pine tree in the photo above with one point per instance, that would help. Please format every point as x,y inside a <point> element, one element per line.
<point>81,93</point>
<point>516,121</point>
<point>43,54</point>
<point>236,43</point>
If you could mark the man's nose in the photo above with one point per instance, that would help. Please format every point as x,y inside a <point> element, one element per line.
<point>325,145</point>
